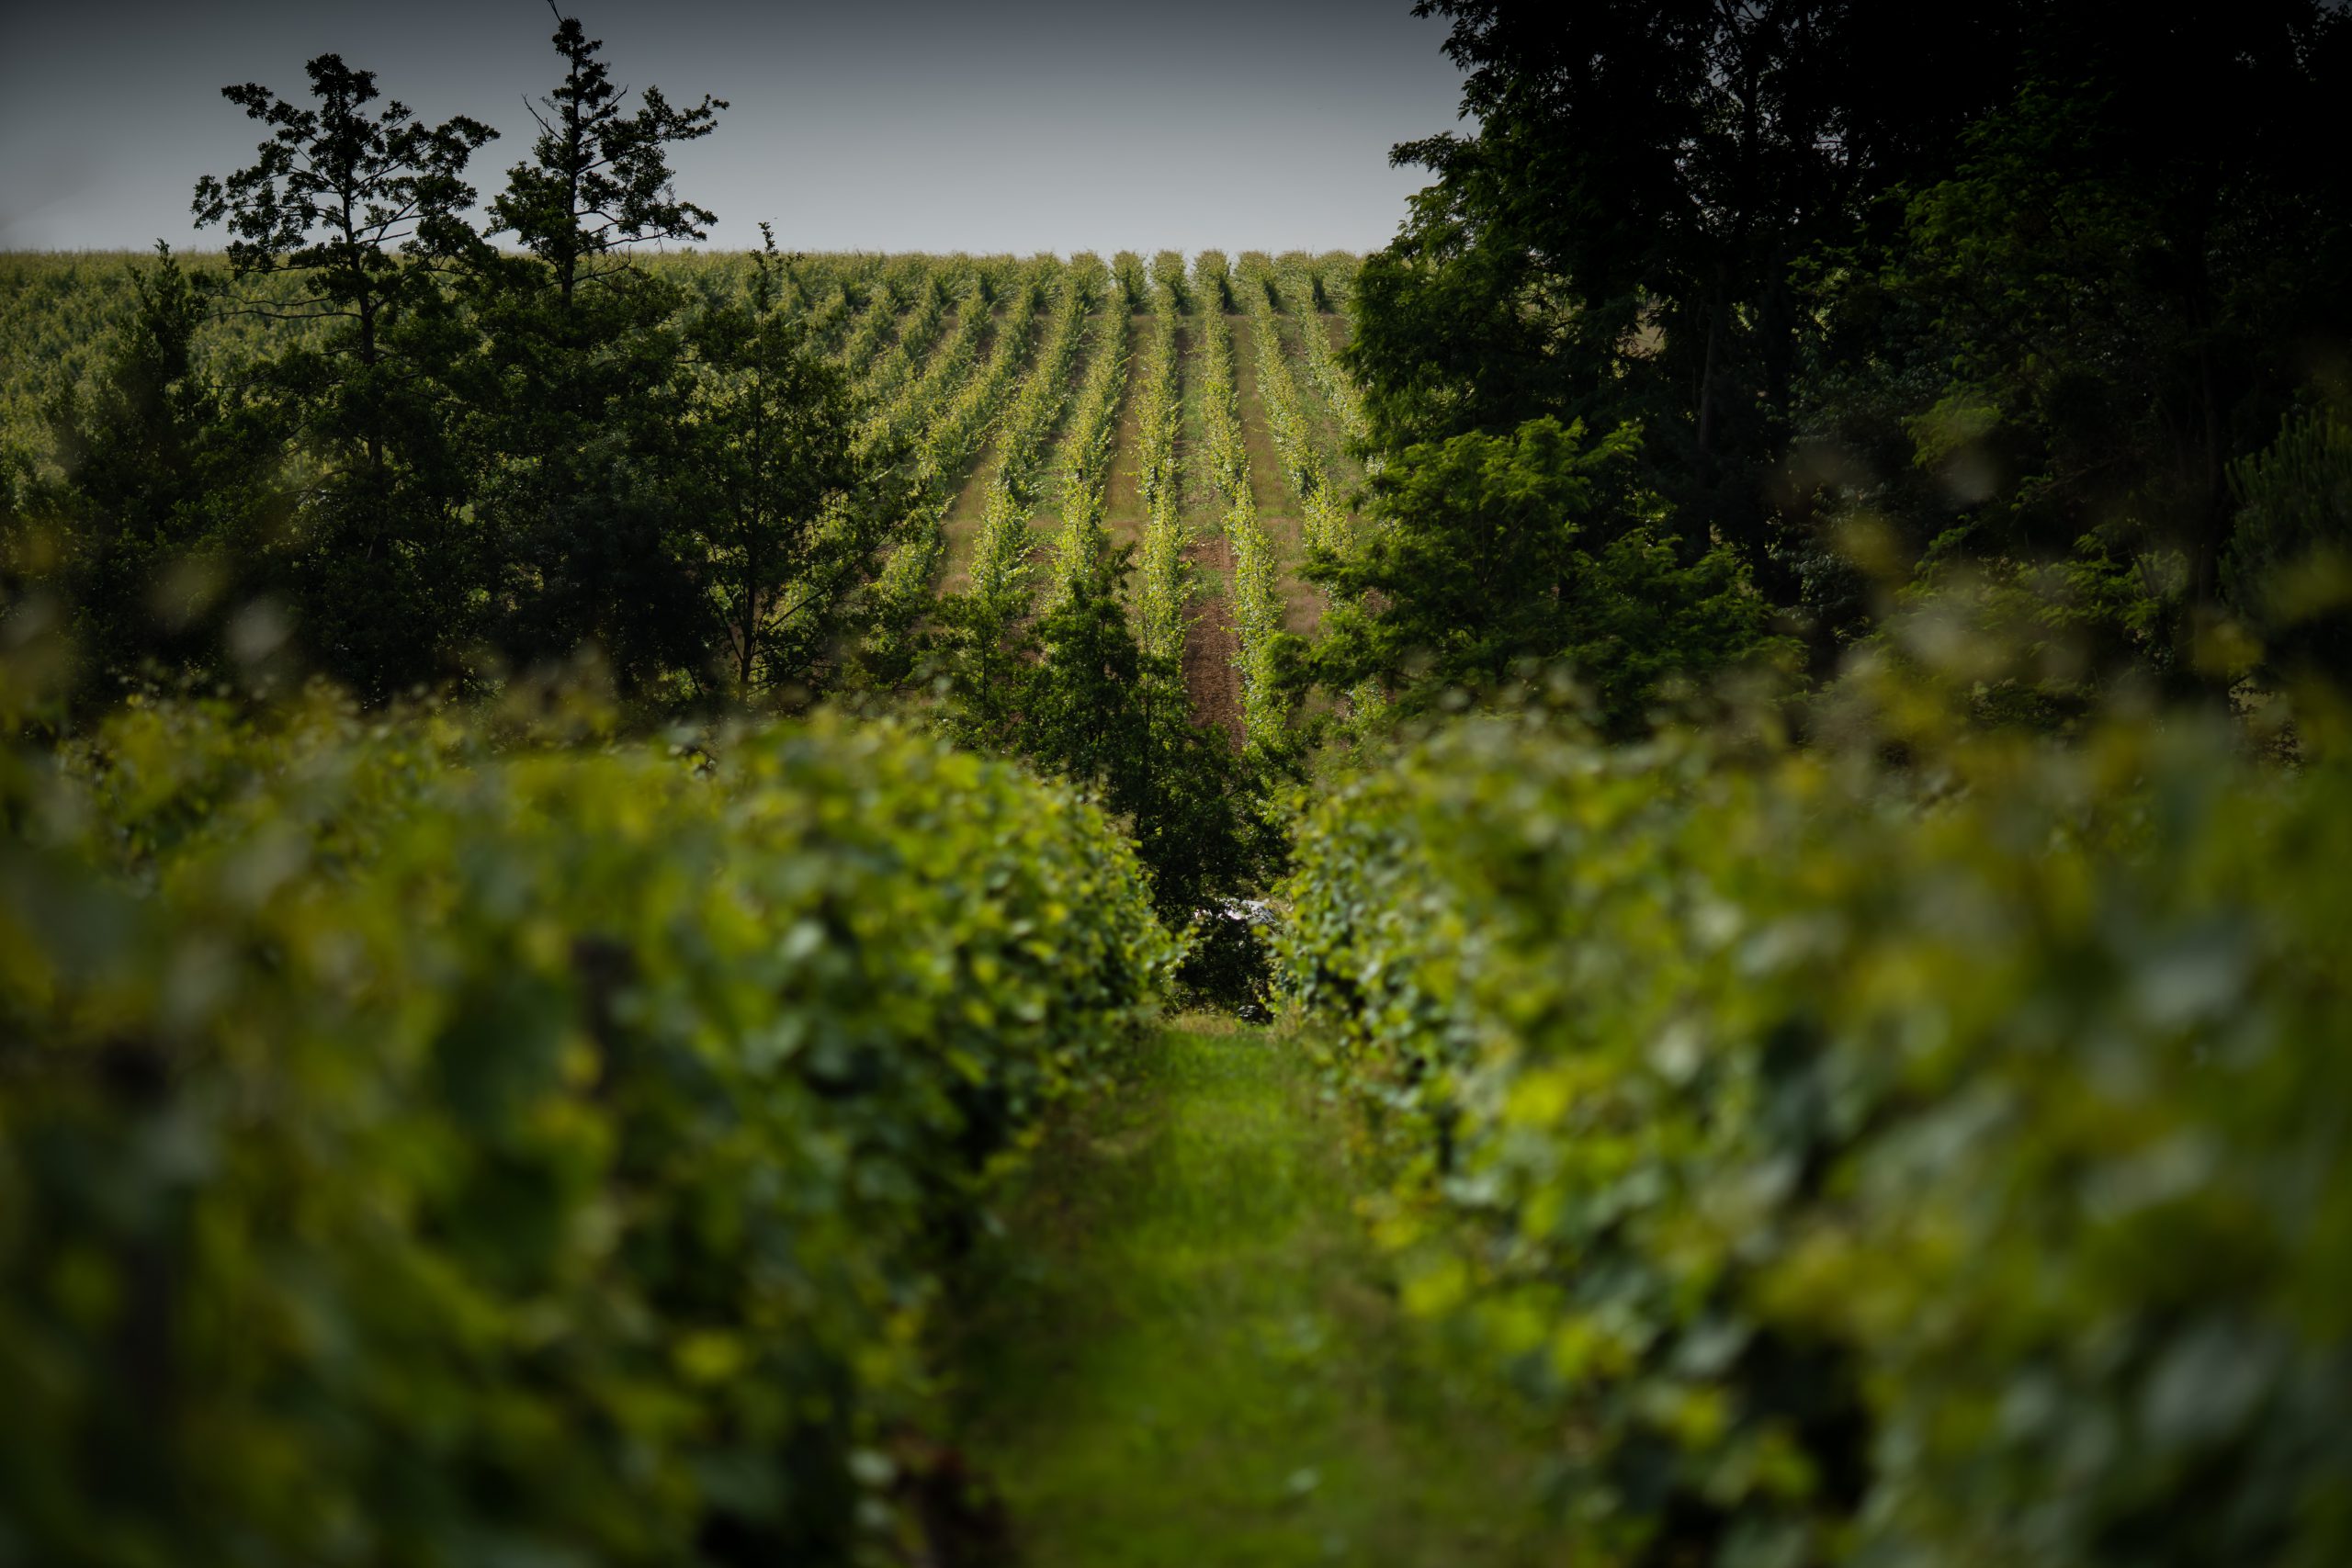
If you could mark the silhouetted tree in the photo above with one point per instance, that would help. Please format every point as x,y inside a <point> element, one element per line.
<point>365,212</point>
<point>577,417</point>
<point>2023,305</point>
<point>599,180</point>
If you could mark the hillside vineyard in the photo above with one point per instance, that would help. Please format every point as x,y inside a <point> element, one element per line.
<point>1194,409</point>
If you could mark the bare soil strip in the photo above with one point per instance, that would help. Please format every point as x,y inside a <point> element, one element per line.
<point>1267,485</point>
<point>1123,515</point>
<point>964,512</point>
<point>1211,679</point>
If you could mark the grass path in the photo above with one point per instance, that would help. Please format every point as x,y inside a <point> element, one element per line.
<point>1181,1350</point>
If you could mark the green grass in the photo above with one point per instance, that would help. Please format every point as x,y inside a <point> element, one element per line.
<point>1181,1349</point>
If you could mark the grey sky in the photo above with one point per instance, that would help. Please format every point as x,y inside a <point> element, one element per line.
<point>890,125</point>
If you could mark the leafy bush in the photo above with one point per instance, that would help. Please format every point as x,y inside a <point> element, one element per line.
<point>412,1155</point>
<point>1494,551</point>
<point>2289,569</point>
<point>1935,1169</point>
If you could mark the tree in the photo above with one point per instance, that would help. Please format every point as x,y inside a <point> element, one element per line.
<point>2025,307</point>
<point>599,181</point>
<point>2125,283</point>
<point>165,489</point>
<point>1073,693</point>
<point>1616,242</point>
<point>790,523</point>
<point>1493,553</point>
<point>580,460</point>
<point>365,212</point>
<point>2289,572</point>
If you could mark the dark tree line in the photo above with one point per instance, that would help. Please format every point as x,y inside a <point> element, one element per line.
<point>2008,291</point>
<point>494,443</point>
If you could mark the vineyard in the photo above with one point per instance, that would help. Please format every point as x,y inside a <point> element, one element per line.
<point>1773,1154</point>
<point>1193,410</point>
<point>1655,879</point>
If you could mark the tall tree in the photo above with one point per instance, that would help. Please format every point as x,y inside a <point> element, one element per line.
<point>580,454</point>
<point>1616,242</point>
<point>599,181</point>
<point>2126,281</point>
<point>2026,305</point>
<point>363,212</point>
<point>1072,693</point>
<point>1497,553</point>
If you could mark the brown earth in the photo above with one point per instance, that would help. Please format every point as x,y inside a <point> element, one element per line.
<point>1211,679</point>
<point>1267,486</point>
<point>1198,500</point>
<point>1302,600</point>
<point>1123,515</point>
<point>964,512</point>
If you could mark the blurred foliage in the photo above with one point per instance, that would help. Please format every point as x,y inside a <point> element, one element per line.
<point>1490,552</point>
<point>425,1141</point>
<point>1928,1147</point>
<point>2289,572</point>
<point>2047,291</point>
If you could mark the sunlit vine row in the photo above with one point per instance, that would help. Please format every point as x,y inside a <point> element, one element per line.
<point>830,318</point>
<point>1330,378</point>
<point>1256,604</point>
<point>1327,521</point>
<point>934,296</point>
<point>1001,549</point>
<point>1086,449</point>
<point>1164,594</point>
<point>910,408</point>
<point>953,433</point>
<point>1324,523</point>
<point>872,324</point>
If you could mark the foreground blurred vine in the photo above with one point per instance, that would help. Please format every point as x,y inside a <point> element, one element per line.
<point>1927,1147</point>
<point>412,1151</point>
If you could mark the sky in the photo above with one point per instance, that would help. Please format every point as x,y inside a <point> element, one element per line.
<point>888,125</point>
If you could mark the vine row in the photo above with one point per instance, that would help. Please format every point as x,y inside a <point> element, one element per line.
<point>951,435</point>
<point>1164,596</point>
<point>1086,450</point>
<point>1257,606</point>
<point>1000,552</point>
<point>1325,520</point>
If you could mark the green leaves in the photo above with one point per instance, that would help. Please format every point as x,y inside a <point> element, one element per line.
<point>1164,594</point>
<point>544,1150</point>
<point>1536,547</point>
<point>1855,1176</point>
<point>1255,598</point>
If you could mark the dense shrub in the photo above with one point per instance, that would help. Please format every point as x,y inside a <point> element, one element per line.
<point>1944,1168</point>
<point>408,1155</point>
<point>2288,569</point>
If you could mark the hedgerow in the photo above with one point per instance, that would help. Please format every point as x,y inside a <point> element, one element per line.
<point>1935,1168</point>
<point>413,1154</point>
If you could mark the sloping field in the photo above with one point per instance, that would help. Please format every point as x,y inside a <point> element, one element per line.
<point>980,362</point>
